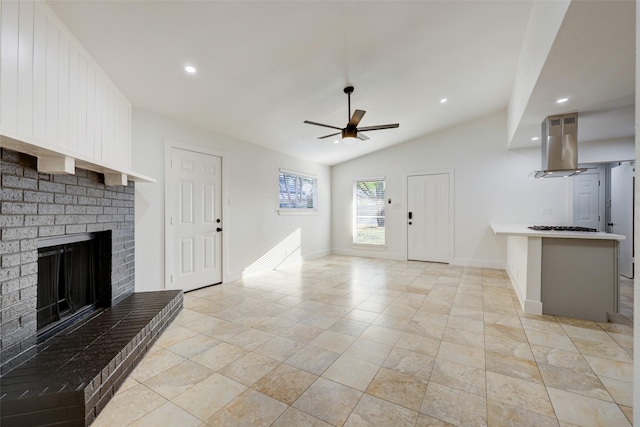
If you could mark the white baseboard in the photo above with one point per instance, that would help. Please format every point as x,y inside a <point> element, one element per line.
<point>316,254</point>
<point>469,262</point>
<point>364,253</point>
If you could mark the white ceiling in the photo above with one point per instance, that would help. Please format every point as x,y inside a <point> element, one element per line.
<point>264,67</point>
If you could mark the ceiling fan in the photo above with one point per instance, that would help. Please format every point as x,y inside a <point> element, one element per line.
<point>351,131</point>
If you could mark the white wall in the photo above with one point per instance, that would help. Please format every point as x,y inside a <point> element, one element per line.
<point>490,182</point>
<point>252,225</point>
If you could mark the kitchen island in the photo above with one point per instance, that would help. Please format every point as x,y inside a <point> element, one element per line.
<point>564,273</point>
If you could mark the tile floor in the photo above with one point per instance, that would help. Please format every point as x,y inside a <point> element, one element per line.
<point>363,342</point>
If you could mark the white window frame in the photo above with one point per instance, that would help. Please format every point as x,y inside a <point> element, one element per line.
<point>299,211</point>
<point>354,216</point>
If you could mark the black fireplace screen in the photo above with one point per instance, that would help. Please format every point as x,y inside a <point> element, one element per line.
<point>67,281</point>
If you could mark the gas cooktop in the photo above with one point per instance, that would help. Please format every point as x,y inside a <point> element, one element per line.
<point>562,228</point>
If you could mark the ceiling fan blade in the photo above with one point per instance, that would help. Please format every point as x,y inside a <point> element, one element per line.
<point>362,136</point>
<point>321,124</point>
<point>378,127</point>
<point>357,116</point>
<point>327,136</point>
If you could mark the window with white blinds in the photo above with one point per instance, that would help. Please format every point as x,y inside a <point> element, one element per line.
<point>298,191</point>
<point>369,212</point>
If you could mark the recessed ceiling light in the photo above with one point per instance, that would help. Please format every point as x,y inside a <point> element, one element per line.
<point>535,138</point>
<point>443,100</point>
<point>562,100</point>
<point>337,141</point>
<point>190,69</point>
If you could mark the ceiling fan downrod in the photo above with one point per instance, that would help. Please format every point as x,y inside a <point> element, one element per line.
<point>349,90</point>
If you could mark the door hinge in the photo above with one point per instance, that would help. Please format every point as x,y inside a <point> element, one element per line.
<point>171,221</point>
<point>172,278</point>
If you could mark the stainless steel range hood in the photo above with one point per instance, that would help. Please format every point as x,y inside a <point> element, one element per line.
<point>559,147</point>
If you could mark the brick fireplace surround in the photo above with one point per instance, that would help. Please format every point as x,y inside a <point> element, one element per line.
<point>35,205</point>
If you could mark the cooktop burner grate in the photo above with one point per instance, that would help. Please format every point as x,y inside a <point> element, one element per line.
<point>562,228</point>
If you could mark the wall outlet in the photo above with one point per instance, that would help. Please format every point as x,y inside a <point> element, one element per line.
<point>545,211</point>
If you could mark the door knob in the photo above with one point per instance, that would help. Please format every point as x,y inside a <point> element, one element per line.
<point>219,229</point>
<point>410,223</point>
<point>610,224</point>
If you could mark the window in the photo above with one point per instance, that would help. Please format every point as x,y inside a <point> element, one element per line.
<point>368,220</point>
<point>297,191</point>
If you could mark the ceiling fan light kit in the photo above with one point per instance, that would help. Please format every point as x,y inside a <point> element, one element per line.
<point>351,133</point>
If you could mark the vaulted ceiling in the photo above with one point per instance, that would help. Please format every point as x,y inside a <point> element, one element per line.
<point>264,67</point>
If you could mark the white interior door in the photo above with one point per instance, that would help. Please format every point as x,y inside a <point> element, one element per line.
<point>586,200</point>
<point>622,214</point>
<point>196,220</point>
<point>428,219</point>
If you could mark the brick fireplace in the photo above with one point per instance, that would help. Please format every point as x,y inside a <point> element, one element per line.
<point>35,205</point>
<point>68,378</point>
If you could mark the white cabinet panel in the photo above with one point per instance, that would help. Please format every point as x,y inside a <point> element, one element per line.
<point>9,66</point>
<point>25,69</point>
<point>91,109</point>
<point>83,91</point>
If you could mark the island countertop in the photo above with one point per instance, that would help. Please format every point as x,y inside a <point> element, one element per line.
<point>523,230</point>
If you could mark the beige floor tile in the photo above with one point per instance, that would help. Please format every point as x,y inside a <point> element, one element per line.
<point>381,335</point>
<point>621,391</point>
<point>460,336</point>
<point>459,376</point>
<point>502,415</point>
<point>168,414</point>
<point>250,408</point>
<point>362,316</point>
<point>178,378</point>
<point>129,406</point>
<point>508,347</point>
<point>610,368</point>
<point>466,355</point>
<point>427,421</point>
<point>397,387</point>
<point>154,363</point>
<point>302,333</point>
<point>450,342</point>
<point>605,350</point>
<point>454,406</point>
<point>285,383</point>
<point>193,346</point>
<point>349,327</point>
<point>279,348</point>
<point>250,339</point>
<point>249,368</point>
<point>334,341</point>
<point>374,412</point>
<point>219,356</point>
<point>519,393</point>
<point>418,343</point>
<point>368,351</point>
<point>293,417</point>
<point>312,359</point>
<point>208,396</point>
<point>550,339</point>
<point>410,362</point>
<point>328,401</point>
<point>586,411</point>
<point>351,372</point>
<point>516,367</point>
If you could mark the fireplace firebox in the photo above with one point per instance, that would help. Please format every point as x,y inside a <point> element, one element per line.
<point>71,280</point>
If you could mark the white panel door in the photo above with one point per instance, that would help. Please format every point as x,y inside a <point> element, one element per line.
<point>196,219</point>
<point>622,214</point>
<point>586,201</point>
<point>428,218</point>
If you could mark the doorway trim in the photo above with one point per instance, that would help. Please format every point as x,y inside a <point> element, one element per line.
<point>168,235</point>
<point>405,195</point>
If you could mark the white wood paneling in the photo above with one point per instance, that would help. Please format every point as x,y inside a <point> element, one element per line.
<point>9,66</point>
<point>53,96</point>
<point>25,68</point>
<point>39,74</point>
